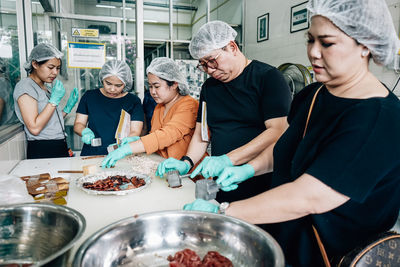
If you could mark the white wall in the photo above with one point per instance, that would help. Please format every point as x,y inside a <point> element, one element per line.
<point>283,46</point>
<point>11,152</point>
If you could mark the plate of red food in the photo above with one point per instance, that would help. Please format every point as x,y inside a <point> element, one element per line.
<point>120,182</point>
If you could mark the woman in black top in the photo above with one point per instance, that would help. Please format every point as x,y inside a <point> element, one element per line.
<point>338,168</point>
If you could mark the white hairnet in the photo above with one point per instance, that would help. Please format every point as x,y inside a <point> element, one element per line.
<point>212,35</point>
<point>367,21</point>
<point>167,69</point>
<point>42,52</point>
<point>118,69</point>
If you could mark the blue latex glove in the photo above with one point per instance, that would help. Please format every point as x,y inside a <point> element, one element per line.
<point>87,136</point>
<point>73,98</point>
<point>57,93</point>
<point>212,166</point>
<point>202,205</point>
<point>172,164</point>
<point>129,139</point>
<point>114,156</point>
<point>231,176</point>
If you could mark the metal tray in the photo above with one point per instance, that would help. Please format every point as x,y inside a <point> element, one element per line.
<point>91,178</point>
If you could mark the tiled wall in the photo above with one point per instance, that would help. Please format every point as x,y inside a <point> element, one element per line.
<point>11,152</point>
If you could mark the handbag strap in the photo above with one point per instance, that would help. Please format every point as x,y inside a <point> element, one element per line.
<point>310,109</point>
<point>320,244</point>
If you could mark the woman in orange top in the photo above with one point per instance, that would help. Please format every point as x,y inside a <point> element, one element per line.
<point>174,117</point>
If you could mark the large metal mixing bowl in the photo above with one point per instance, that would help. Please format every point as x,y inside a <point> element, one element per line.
<point>148,239</point>
<point>38,234</point>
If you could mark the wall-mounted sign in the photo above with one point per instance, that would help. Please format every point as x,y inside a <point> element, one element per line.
<point>86,55</point>
<point>91,33</point>
<point>299,17</point>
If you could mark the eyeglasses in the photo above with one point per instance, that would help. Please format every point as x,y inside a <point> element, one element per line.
<point>211,63</point>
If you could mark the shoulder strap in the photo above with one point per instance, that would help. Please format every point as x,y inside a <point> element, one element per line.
<point>310,109</point>
<point>320,244</point>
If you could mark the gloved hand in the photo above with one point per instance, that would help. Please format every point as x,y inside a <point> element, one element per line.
<point>202,205</point>
<point>73,98</point>
<point>129,139</point>
<point>231,176</point>
<point>87,136</point>
<point>57,93</point>
<point>212,166</point>
<point>114,156</point>
<point>172,164</point>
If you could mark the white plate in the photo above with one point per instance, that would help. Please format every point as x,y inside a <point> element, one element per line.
<point>91,178</point>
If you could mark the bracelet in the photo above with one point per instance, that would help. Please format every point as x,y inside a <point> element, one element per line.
<point>188,159</point>
<point>53,105</point>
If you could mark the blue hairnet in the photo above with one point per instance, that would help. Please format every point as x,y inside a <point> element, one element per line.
<point>118,69</point>
<point>367,21</point>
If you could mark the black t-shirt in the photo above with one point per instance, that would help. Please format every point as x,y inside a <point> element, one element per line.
<point>237,110</point>
<point>353,146</point>
<point>103,117</point>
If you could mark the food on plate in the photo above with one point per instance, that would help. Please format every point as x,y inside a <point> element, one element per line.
<point>189,258</point>
<point>115,183</point>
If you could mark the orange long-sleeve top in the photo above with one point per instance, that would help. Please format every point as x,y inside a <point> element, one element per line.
<point>170,135</point>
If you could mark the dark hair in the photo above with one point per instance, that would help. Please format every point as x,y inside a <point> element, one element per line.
<point>169,83</point>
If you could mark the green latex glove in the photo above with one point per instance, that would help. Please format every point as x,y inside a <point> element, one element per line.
<point>231,176</point>
<point>114,156</point>
<point>212,166</point>
<point>73,98</point>
<point>172,164</point>
<point>57,93</point>
<point>129,139</point>
<point>87,136</point>
<point>202,205</point>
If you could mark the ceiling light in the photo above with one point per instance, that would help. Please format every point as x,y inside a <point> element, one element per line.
<point>127,8</point>
<point>105,6</point>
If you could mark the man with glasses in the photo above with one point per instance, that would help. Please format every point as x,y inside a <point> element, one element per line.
<point>243,107</point>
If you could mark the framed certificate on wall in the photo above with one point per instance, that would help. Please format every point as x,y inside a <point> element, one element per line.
<point>263,27</point>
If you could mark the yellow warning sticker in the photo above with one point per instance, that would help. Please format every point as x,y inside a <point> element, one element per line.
<point>76,32</point>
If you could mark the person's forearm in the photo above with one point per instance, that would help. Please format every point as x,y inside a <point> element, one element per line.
<point>197,146</point>
<point>78,128</point>
<point>252,149</point>
<point>37,125</point>
<point>264,162</point>
<point>136,128</point>
<point>306,195</point>
<point>137,147</point>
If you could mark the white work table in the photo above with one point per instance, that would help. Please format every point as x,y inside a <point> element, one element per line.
<point>100,210</point>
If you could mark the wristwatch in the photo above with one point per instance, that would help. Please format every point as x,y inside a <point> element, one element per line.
<point>222,207</point>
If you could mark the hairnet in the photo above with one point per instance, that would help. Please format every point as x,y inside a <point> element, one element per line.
<point>367,21</point>
<point>167,69</point>
<point>212,35</point>
<point>118,69</point>
<point>42,52</point>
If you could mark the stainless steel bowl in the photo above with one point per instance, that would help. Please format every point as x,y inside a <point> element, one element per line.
<point>39,234</point>
<point>148,239</point>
